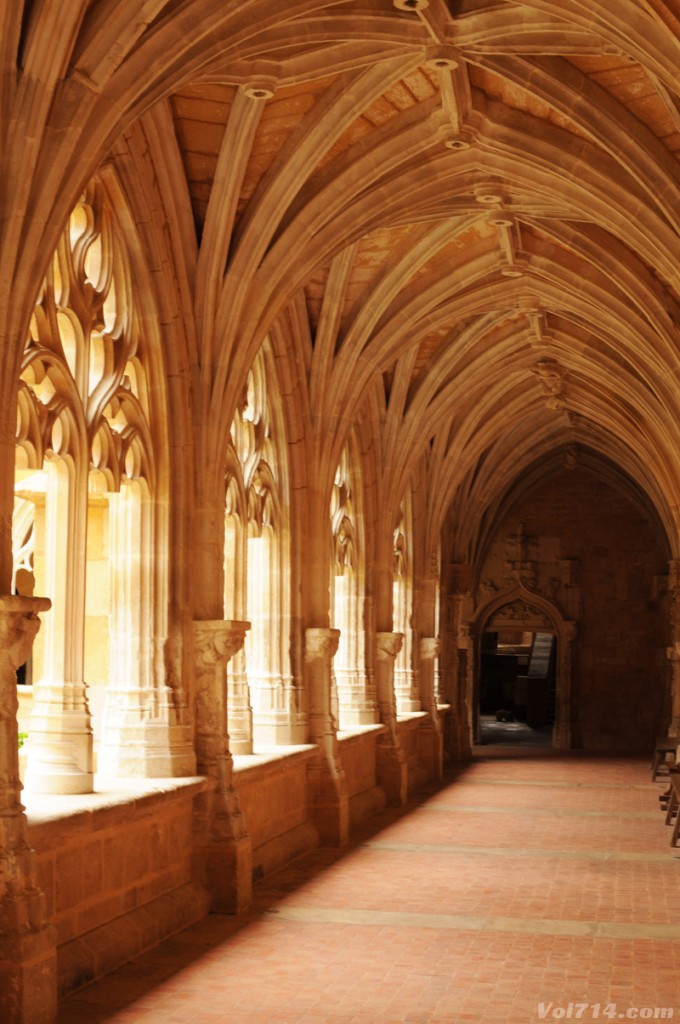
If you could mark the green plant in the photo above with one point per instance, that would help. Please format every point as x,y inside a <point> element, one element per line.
<point>23,736</point>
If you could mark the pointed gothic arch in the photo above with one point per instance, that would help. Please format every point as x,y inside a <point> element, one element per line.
<point>534,611</point>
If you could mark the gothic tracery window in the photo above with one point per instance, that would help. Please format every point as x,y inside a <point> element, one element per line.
<point>263,700</point>
<point>353,699</point>
<point>86,466</point>
<point>405,678</point>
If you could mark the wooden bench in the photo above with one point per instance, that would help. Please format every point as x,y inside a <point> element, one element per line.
<point>664,746</point>
<point>674,807</point>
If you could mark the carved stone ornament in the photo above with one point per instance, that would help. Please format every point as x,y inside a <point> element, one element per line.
<point>217,640</point>
<point>674,574</point>
<point>389,645</point>
<point>570,456</point>
<point>519,611</point>
<point>321,643</point>
<point>673,652</point>
<point>19,624</point>
<point>428,648</point>
<point>551,376</point>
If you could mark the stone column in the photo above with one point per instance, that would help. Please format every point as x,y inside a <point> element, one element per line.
<point>145,731</point>
<point>392,767</point>
<point>431,745</point>
<point>459,661</point>
<point>60,752</point>
<point>328,791</point>
<point>673,651</point>
<point>463,715</point>
<point>224,848</point>
<point>28,987</point>
<point>562,737</point>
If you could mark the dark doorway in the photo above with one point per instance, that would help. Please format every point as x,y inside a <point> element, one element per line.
<point>517,687</point>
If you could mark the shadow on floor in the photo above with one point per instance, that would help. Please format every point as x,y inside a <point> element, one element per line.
<point>513,733</point>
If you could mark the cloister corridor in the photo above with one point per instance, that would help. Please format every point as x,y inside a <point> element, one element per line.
<point>530,880</point>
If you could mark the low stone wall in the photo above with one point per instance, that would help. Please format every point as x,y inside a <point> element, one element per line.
<point>115,869</point>
<point>273,797</point>
<point>358,754</point>
<point>408,728</point>
<point>116,866</point>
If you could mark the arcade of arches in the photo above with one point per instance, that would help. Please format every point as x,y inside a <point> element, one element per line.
<point>336,338</point>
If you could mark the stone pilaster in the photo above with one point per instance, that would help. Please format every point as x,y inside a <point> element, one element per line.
<point>224,852</point>
<point>673,650</point>
<point>28,986</point>
<point>562,734</point>
<point>328,791</point>
<point>460,661</point>
<point>392,769</point>
<point>431,744</point>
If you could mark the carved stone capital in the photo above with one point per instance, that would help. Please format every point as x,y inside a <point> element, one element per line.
<point>217,640</point>
<point>19,624</point>
<point>388,645</point>
<point>428,648</point>
<point>320,643</point>
<point>674,574</point>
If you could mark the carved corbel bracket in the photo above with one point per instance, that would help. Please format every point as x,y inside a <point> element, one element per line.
<point>217,640</point>
<point>388,645</point>
<point>321,643</point>
<point>19,624</point>
<point>428,647</point>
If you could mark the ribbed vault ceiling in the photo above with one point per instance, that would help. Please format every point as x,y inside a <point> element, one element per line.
<point>477,205</point>
<point>463,215</point>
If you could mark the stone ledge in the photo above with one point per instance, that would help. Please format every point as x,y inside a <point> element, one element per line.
<point>269,758</point>
<point>114,800</point>
<point>359,731</point>
<point>411,720</point>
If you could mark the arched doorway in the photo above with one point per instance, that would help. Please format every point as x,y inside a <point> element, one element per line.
<point>523,613</point>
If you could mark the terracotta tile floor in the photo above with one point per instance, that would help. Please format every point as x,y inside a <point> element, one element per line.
<point>528,883</point>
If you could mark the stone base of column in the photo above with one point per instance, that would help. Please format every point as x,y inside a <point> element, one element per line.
<point>277,729</point>
<point>407,705</point>
<point>224,867</point>
<point>60,753</point>
<point>431,751</point>
<point>355,716</point>
<point>392,773</point>
<point>59,762</point>
<point>28,968</point>
<point>329,805</point>
<point>147,750</point>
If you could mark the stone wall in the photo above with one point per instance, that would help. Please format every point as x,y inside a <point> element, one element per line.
<point>358,756</point>
<point>274,801</point>
<point>578,540</point>
<point>116,872</point>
